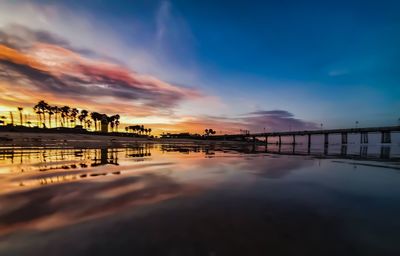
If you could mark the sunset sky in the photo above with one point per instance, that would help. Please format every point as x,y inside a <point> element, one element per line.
<point>189,65</point>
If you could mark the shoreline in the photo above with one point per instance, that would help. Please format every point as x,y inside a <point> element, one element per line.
<point>27,139</point>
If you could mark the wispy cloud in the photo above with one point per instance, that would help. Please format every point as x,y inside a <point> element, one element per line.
<point>49,64</point>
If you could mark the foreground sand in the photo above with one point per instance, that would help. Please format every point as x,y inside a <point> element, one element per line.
<point>83,140</point>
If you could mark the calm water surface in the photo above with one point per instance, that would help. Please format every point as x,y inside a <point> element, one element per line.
<point>160,199</point>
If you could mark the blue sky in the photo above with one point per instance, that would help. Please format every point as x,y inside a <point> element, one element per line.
<point>323,61</point>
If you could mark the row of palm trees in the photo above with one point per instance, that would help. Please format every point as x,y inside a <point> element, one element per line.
<point>138,129</point>
<point>69,117</point>
<point>63,116</point>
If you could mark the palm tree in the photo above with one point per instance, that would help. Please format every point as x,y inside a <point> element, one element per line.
<point>42,107</point>
<point>56,111</point>
<point>117,117</point>
<point>74,113</point>
<point>50,112</point>
<point>39,113</point>
<point>96,117</point>
<point>64,114</point>
<point>20,114</point>
<point>82,117</point>
<point>149,131</point>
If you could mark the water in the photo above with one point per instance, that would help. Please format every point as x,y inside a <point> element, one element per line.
<point>154,199</point>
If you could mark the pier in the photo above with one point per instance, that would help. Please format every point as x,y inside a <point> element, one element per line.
<point>386,135</point>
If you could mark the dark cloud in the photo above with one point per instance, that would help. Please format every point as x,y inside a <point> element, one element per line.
<point>278,113</point>
<point>276,120</point>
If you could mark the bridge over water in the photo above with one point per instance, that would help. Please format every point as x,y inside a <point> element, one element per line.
<point>385,131</point>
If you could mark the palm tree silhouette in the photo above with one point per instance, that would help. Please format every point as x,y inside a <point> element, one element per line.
<point>74,113</point>
<point>117,117</point>
<point>64,114</point>
<point>111,120</point>
<point>50,112</point>
<point>56,111</point>
<point>96,117</point>
<point>41,107</point>
<point>82,117</point>
<point>20,114</point>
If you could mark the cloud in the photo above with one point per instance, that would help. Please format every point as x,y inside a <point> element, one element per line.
<point>98,198</point>
<point>275,113</point>
<point>271,120</point>
<point>276,120</point>
<point>50,64</point>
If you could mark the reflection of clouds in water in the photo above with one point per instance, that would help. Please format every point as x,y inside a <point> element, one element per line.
<point>275,168</point>
<point>67,203</point>
<point>185,201</point>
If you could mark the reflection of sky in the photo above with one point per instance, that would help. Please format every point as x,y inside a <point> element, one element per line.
<point>192,193</point>
<point>190,198</point>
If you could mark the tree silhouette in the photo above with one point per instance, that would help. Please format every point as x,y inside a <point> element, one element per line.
<point>209,132</point>
<point>82,117</point>
<point>65,114</point>
<point>40,108</point>
<point>117,117</point>
<point>73,114</point>
<point>56,111</point>
<point>95,117</point>
<point>50,112</point>
<point>20,115</point>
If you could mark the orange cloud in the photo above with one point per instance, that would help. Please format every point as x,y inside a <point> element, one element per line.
<point>37,65</point>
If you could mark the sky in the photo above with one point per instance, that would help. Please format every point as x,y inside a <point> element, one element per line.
<point>181,65</point>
